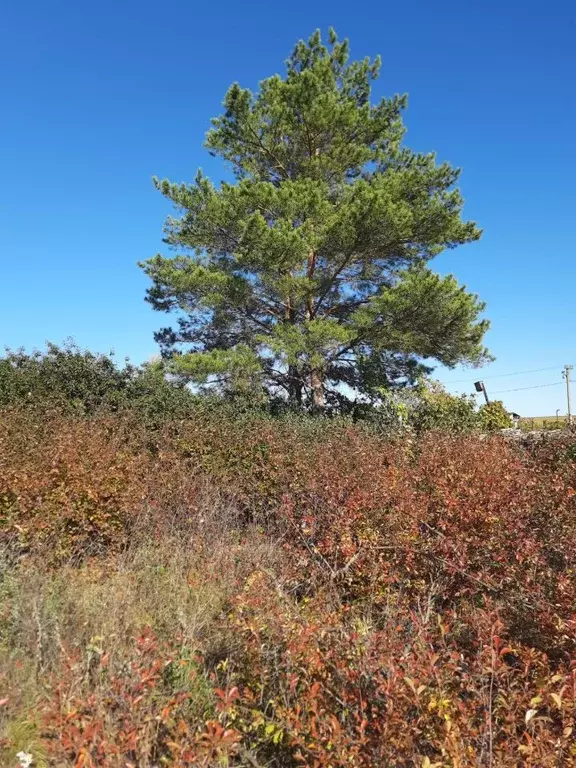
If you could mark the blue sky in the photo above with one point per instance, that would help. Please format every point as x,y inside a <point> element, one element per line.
<point>98,97</point>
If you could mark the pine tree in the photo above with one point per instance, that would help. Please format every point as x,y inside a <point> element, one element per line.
<point>307,277</point>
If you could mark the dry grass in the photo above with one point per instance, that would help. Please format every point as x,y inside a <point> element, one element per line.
<point>177,585</point>
<point>543,422</point>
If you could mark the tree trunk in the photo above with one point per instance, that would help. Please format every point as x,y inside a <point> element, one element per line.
<point>295,386</point>
<point>317,387</point>
<point>316,380</point>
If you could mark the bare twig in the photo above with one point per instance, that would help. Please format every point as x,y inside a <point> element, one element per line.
<point>490,731</point>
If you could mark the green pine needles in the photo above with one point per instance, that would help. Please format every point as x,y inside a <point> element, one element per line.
<point>306,279</point>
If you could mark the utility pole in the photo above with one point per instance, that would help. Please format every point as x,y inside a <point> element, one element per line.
<point>566,375</point>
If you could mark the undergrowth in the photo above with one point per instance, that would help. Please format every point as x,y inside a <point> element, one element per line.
<point>252,592</point>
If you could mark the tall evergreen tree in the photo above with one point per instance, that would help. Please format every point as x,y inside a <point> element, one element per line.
<point>310,271</point>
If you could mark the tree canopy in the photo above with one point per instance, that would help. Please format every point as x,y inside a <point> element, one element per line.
<point>306,277</point>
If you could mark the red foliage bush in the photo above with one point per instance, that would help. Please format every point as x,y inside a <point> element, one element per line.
<point>404,692</point>
<point>76,487</point>
<point>425,614</point>
<point>141,716</point>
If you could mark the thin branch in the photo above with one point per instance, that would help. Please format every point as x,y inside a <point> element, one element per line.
<point>490,705</point>
<point>265,149</point>
<point>334,277</point>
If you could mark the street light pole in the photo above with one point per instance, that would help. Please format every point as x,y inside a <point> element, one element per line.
<point>479,386</point>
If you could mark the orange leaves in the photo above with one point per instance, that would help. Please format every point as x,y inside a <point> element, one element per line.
<point>226,698</point>
<point>217,741</point>
<point>422,607</point>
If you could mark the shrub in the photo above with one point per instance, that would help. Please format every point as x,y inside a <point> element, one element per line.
<point>432,408</point>
<point>493,416</point>
<point>70,380</point>
<point>60,376</point>
<point>284,592</point>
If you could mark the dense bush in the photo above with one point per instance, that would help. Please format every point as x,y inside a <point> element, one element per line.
<point>284,592</point>
<point>493,416</point>
<point>71,380</point>
<point>431,407</point>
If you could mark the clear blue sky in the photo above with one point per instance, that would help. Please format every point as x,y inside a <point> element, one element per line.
<point>98,97</point>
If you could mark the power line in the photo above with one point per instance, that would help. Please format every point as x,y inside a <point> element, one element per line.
<point>534,386</point>
<point>503,375</point>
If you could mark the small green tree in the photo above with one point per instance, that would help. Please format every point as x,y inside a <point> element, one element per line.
<point>307,278</point>
<point>431,407</point>
<point>493,416</point>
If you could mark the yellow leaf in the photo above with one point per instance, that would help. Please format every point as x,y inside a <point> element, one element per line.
<point>410,683</point>
<point>557,700</point>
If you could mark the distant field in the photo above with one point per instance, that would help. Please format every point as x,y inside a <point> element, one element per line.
<point>537,422</point>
